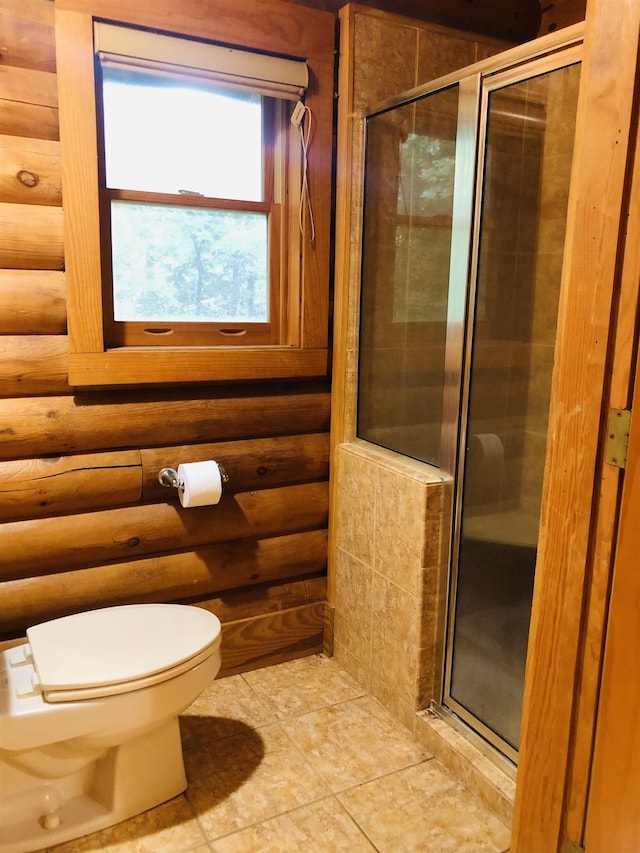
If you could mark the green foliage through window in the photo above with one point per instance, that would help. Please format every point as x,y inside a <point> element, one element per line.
<point>174,264</point>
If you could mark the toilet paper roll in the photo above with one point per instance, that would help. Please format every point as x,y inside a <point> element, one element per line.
<point>486,446</point>
<point>200,483</point>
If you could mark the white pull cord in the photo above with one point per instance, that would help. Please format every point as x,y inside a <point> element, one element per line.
<point>301,118</point>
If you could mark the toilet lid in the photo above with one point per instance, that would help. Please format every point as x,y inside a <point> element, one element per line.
<point>101,649</point>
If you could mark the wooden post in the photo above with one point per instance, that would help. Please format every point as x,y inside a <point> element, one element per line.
<point>579,394</point>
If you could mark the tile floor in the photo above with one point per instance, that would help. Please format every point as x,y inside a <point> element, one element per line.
<point>296,757</point>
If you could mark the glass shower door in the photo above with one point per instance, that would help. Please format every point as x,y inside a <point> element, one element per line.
<point>511,334</point>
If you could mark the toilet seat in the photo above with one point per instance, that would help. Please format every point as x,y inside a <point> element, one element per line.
<point>119,649</point>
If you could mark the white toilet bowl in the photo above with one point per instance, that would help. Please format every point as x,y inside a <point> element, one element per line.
<point>89,709</point>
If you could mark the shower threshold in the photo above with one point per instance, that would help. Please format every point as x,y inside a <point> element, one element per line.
<point>484,770</point>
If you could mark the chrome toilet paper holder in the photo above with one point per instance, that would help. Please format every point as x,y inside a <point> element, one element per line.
<point>169,477</point>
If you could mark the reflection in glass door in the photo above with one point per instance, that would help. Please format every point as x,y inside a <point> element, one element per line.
<point>408,213</point>
<point>511,338</point>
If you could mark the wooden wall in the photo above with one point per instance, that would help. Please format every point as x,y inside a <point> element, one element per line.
<point>83,520</point>
<point>561,13</point>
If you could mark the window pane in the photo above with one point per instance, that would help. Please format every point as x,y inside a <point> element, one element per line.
<point>174,264</point>
<point>408,210</point>
<point>169,136</point>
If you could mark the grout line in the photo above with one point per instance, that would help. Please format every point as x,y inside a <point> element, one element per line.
<point>196,817</point>
<point>275,816</point>
<point>427,757</point>
<point>424,760</point>
<point>357,823</point>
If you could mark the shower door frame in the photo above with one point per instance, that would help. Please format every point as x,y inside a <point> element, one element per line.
<point>475,83</point>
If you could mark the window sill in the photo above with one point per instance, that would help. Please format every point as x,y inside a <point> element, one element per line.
<point>155,365</point>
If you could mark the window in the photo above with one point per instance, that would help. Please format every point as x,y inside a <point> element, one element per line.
<point>192,180</point>
<point>185,261</point>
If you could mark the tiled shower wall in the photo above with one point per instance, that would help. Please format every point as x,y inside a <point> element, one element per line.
<point>387,510</point>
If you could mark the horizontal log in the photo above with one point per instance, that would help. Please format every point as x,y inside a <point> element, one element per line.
<point>50,545</point>
<point>27,86</point>
<point>27,34</point>
<point>20,119</point>
<point>171,577</point>
<point>266,598</point>
<point>273,638</point>
<point>32,302</point>
<point>40,488</point>
<point>33,364</point>
<point>316,588</point>
<point>62,425</point>
<point>30,171</point>
<point>33,11</point>
<point>255,464</point>
<point>31,237</point>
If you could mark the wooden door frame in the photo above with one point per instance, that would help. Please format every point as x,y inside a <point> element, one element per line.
<point>581,494</point>
<point>613,822</point>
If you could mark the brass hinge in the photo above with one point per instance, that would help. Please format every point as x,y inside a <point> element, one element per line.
<point>573,847</point>
<point>618,437</point>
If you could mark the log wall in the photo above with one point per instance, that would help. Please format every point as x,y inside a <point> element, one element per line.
<point>84,522</point>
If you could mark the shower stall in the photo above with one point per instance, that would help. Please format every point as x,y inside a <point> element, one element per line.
<point>465,198</point>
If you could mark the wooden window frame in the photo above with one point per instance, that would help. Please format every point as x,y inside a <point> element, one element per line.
<point>302,348</point>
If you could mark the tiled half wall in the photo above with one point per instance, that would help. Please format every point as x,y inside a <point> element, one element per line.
<point>389,587</point>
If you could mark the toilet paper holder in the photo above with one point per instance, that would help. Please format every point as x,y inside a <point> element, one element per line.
<point>169,477</point>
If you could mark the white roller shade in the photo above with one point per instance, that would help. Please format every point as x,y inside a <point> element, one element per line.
<point>273,76</point>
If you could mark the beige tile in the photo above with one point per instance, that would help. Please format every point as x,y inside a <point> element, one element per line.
<point>427,681</point>
<point>225,708</point>
<point>432,609</point>
<point>429,654</point>
<point>395,641</point>
<point>401,504</point>
<point>322,827</point>
<point>423,809</point>
<point>353,588</point>
<point>357,205</point>
<point>355,505</point>
<point>398,44</point>
<point>360,670</point>
<point>441,54</point>
<point>403,711</point>
<point>243,779</point>
<point>302,685</point>
<point>350,394</point>
<point>169,828</point>
<point>434,527</point>
<point>353,742</point>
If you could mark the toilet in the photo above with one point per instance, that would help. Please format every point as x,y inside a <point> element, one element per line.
<point>89,707</point>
